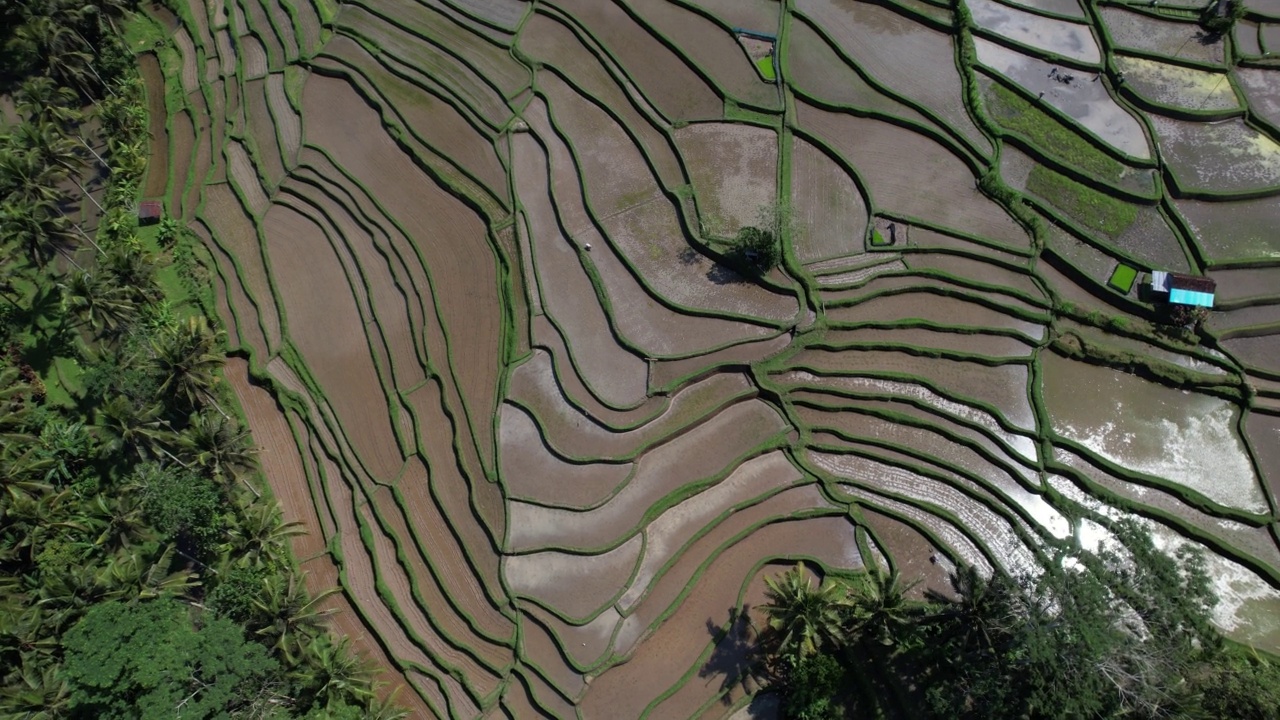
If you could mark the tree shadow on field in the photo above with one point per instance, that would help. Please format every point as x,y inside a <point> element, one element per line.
<point>689,256</point>
<point>721,274</point>
<point>734,659</point>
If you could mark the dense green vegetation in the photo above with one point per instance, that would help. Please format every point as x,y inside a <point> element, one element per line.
<point>141,572</point>
<point>1123,632</point>
<point>1105,213</point>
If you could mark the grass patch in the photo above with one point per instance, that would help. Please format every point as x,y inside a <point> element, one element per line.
<point>141,33</point>
<point>765,66</point>
<point>879,240</point>
<point>1015,114</point>
<point>294,78</point>
<point>1082,203</point>
<point>1122,278</point>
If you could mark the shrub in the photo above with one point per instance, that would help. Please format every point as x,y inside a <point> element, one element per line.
<point>756,251</point>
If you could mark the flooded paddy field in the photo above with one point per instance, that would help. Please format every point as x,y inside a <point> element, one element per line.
<point>546,423</point>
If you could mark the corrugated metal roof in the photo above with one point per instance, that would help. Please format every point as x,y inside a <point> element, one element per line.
<point>1191,297</point>
<point>1159,281</point>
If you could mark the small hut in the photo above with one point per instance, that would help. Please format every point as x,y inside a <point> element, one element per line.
<point>150,212</point>
<point>1178,289</point>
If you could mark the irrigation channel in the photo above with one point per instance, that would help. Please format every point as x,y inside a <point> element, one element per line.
<point>469,256</point>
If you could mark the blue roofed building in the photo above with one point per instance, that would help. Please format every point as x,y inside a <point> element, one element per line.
<point>1179,289</point>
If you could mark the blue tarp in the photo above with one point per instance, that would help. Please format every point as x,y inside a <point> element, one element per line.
<point>1191,297</point>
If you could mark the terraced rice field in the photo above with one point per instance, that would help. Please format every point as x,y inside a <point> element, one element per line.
<point>470,255</point>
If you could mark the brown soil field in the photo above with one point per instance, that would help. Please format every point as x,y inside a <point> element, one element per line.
<point>255,20</point>
<point>940,419</point>
<point>448,236</point>
<point>922,237</point>
<point>317,301</point>
<point>1263,432</point>
<point>203,157</point>
<point>397,589</point>
<point>1175,39</point>
<point>757,15</point>
<point>158,165</point>
<point>262,129</point>
<point>1261,352</point>
<point>1233,229</point>
<point>711,48</point>
<point>674,647</point>
<point>674,529</point>
<point>978,520</point>
<point>662,75</point>
<point>910,552</point>
<point>959,543</point>
<point>283,25</point>
<point>647,324</point>
<point>913,175</point>
<point>391,243</point>
<point>575,586</point>
<point>553,366</point>
<point>423,610</point>
<point>1227,156</point>
<point>532,472</point>
<point>614,171</point>
<point>388,304</point>
<point>892,389</point>
<point>1262,88</point>
<point>453,491</point>
<point>977,271</point>
<point>226,53</point>
<point>548,40</point>
<point>253,56</point>
<point>649,237</point>
<point>817,70</point>
<point>1003,387</point>
<point>1246,283</point>
<point>849,418</point>
<point>933,308</point>
<point>490,61</point>
<point>663,374</point>
<point>358,573</point>
<point>1255,316</point>
<point>243,174</point>
<point>889,47</point>
<point>660,473</point>
<point>585,645</point>
<point>245,309</point>
<point>676,577</point>
<point>985,344</point>
<point>734,169</point>
<point>451,587</point>
<point>538,649</point>
<point>190,75</point>
<point>469,87</point>
<point>1246,36</point>
<point>182,146</point>
<point>614,374</point>
<point>572,434</point>
<point>429,118</point>
<point>504,13</point>
<point>288,124</point>
<point>830,214</point>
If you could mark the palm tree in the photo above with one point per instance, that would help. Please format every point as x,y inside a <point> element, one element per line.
<point>293,617</point>
<point>129,430</point>
<point>802,618</point>
<point>881,610</point>
<point>50,146</point>
<point>261,537</point>
<point>104,306</point>
<point>119,520</point>
<point>218,443</point>
<point>336,671</point>
<point>43,100</point>
<point>26,180</point>
<point>188,359</point>
<point>131,575</point>
<point>39,229</point>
